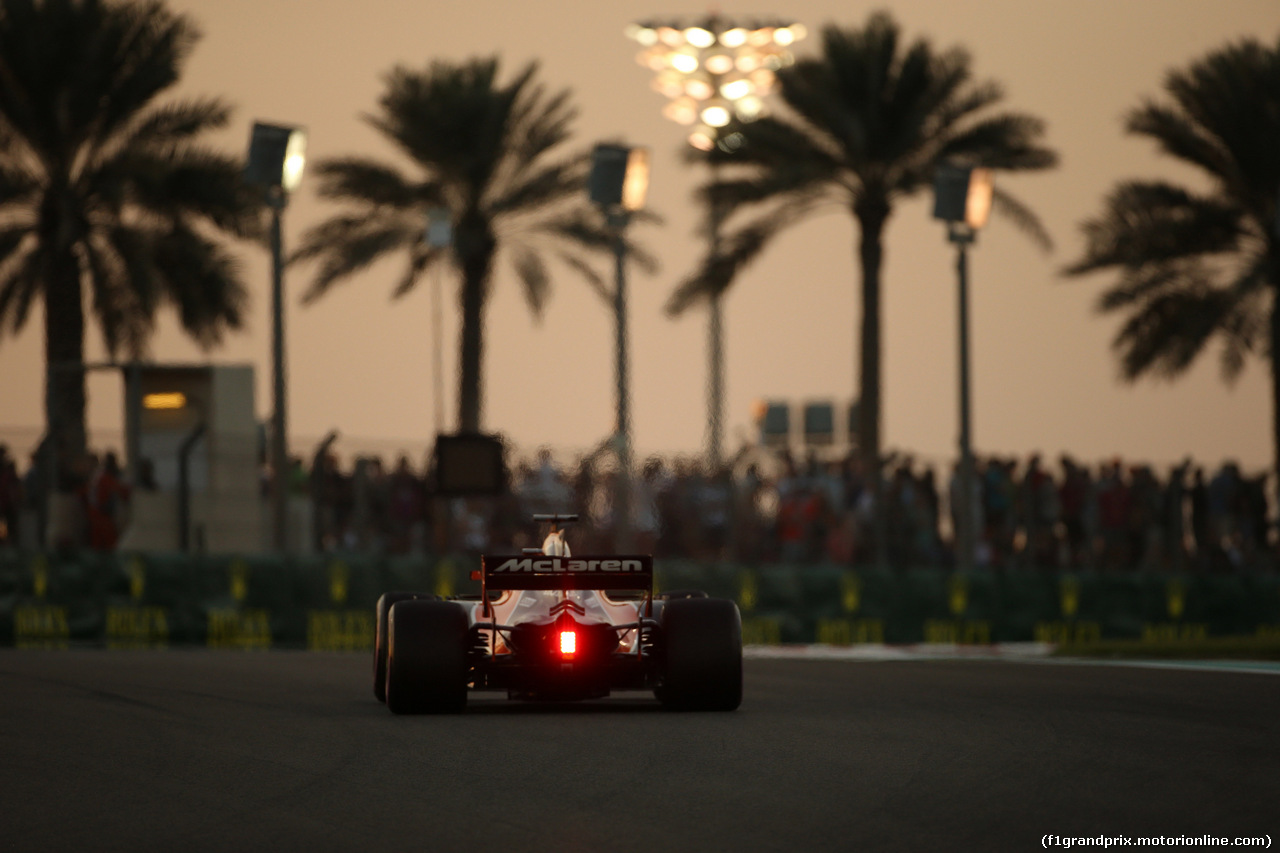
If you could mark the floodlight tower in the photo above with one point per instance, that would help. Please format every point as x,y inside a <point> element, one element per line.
<point>715,71</point>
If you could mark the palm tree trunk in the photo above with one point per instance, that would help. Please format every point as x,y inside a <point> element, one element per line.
<point>64,398</point>
<point>872,212</point>
<point>1275,380</point>
<point>476,246</point>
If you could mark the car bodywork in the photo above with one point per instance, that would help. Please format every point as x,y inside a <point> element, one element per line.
<point>548,626</point>
<point>553,626</point>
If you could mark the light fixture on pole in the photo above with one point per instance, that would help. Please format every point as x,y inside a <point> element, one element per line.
<point>277,156</point>
<point>714,72</point>
<point>618,183</point>
<point>962,199</point>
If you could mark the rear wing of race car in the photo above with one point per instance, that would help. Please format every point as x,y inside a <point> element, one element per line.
<point>538,571</point>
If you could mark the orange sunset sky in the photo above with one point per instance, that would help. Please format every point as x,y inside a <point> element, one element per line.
<point>1044,378</point>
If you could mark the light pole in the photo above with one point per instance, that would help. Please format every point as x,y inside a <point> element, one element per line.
<point>714,71</point>
<point>277,156</point>
<point>962,199</point>
<point>618,184</point>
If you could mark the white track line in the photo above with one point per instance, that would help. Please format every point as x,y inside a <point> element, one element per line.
<point>1013,652</point>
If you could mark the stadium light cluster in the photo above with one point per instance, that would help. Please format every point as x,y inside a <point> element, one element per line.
<point>714,70</point>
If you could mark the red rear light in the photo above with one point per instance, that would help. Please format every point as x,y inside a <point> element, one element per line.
<point>568,643</point>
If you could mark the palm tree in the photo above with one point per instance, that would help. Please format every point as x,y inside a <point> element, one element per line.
<point>105,193</point>
<point>483,152</point>
<point>865,125</point>
<point>1203,264</point>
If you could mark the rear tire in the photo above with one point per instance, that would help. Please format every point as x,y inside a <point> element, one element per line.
<point>660,600</point>
<point>380,637</point>
<point>426,657</point>
<point>702,648</point>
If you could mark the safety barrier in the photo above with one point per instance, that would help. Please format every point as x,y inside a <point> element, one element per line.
<point>326,603</point>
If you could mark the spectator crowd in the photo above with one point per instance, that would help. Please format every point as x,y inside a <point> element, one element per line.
<point>761,507</point>
<point>766,507</point>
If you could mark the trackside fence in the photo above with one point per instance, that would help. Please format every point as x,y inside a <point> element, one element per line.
<point>326,603</point>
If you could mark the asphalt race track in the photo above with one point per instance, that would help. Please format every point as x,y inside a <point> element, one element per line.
<point>203,750</point>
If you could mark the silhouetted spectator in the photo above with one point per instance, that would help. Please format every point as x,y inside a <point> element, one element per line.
<point>10,498</point>
<point>1115,508</point>
<point>407,496</point>
<point>106,499</point>
<point>1200,526</point>
<point>1073,495</point>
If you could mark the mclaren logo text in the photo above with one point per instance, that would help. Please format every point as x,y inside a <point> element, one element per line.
<point>558,564</point>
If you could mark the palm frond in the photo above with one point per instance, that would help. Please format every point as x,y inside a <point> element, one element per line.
<point>134,253</point>
<point>1223,116</point>
<point>419,259</point>
<point>549,184</point>
<point>593,278</point>
<point>1022,217</point>
<point>1182,139</point>
<point>1008,141</point>
<point>533,276</point>
<point>640,256</point>
<point>537,123</point>
<point>19,279</point>
<point>18,184</point>
<point>804,173</point>
<point>956,104</point>
<point>360,180</point>
<point>931,94</point>
<point>826,121</point>
<point>583,228</point>
<point>780,144</point>
<point>449,118</point>
<point>202,281</point>
<point>171,123</point>
<point>344,245</point>
<point>1139,284</point>
<point>144,56</point>
<point>114,302</point>
<point>1244,333</point>
<point>1171,329</point>
<point>195,182</point>
<point>736,251</point>
<point>1152,222</point>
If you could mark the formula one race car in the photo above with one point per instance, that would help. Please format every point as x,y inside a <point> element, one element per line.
<point>550,626</point>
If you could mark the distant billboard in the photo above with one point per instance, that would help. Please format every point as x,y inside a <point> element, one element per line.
<point>819,423</point>
<point>775,424</point>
